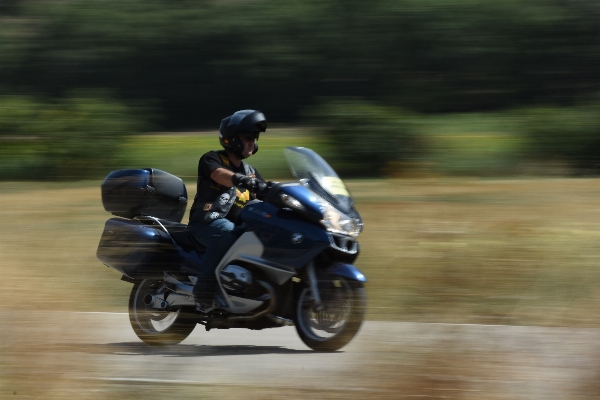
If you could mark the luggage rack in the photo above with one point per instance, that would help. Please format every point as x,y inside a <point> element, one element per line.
<point>177,231</point>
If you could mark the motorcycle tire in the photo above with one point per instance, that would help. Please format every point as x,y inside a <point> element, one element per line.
<point>154,326</point>
<point>344,304</point>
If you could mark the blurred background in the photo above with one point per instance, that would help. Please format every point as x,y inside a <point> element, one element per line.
<point>454,87</point>
<point>467,130</point>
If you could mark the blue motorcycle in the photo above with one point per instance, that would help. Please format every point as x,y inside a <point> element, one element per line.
<point>292,265</point>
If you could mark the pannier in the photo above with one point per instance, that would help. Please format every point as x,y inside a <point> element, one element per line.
<point>149,191</point>
<point>135,249</point>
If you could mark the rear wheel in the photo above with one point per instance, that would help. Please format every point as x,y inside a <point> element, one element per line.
<point>332,327</point>
<point>155,326</point>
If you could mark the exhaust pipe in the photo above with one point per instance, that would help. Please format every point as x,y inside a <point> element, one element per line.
<point>148,299</point>
<point>155,302</point>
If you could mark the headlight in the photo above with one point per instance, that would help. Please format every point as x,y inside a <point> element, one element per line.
<point>291,202</point>
<point>337,222</point>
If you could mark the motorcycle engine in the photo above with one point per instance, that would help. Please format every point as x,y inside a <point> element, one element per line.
<point>235,279</point>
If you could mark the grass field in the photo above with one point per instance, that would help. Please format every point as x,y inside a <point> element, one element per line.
<point>459,144</point>
<point>486,144</point>
<point>434,249</point>
<point>179,153</point>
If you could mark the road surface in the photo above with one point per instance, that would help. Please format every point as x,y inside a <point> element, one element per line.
<point>97,355</point>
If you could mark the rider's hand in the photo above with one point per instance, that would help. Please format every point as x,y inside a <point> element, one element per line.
<point>244,181</point>
<point>262,187</point>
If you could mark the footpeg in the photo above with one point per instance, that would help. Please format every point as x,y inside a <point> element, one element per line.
<point>205,308</point>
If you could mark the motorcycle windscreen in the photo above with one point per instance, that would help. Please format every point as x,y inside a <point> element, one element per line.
<point>312,170</point>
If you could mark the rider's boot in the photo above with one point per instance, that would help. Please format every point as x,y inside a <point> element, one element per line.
<point>204,294</point>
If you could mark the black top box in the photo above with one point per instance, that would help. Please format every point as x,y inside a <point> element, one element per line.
<point>129,193</point>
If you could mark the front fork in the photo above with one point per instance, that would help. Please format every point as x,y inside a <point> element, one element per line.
<point>314,287</point>
<point>348,271</point>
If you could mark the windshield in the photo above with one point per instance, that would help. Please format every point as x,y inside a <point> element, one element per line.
<point>311,170</point>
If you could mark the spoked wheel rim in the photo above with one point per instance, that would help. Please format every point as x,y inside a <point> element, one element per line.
<point>325,324</point>
<point>149,319</point>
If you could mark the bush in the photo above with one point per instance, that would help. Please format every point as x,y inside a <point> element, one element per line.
<point>72,138</point>
<point>570,135</point>
<point>364,139</point>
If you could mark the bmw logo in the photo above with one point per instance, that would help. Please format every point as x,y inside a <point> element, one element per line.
<point>297,238</point>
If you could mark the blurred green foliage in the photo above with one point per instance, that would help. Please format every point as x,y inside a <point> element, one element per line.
<point>72,138</point>
<point>83,137</point>
<point>417,66</point>
<point>364,139</point>
<point>179,153</point>
<point>569,135</point>
<point>476,144</point>
<point>205,58</point>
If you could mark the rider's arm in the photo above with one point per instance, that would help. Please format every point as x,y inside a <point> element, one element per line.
<point>222,176</point>
<point>211,166</point>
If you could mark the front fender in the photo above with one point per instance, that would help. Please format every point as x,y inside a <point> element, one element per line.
<point>348,271</point>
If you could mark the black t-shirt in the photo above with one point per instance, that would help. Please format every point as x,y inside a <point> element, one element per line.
<point>213,160</point>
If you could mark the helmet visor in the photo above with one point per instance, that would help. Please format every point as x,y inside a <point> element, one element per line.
<point>252,136</point>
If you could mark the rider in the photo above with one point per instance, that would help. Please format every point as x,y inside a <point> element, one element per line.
<point>225,184</point>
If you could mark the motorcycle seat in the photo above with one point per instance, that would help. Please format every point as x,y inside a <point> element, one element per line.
<point>184,239</point>
<point>179,233</point>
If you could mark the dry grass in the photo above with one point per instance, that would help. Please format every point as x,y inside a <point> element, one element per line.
<point>48,245</point>
<point>483,251</point>
<point>462,250</point>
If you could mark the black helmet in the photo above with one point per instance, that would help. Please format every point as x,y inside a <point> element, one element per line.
<point>244,121</point>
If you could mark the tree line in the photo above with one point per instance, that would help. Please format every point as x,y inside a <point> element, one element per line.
<point>194,62</point>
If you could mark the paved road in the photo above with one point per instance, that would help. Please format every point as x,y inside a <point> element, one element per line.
<point>100,352</point>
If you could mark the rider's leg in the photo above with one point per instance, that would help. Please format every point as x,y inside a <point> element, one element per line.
<point>218,237</point>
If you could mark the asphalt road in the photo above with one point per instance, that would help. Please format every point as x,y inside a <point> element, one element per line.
<point>100,352</point>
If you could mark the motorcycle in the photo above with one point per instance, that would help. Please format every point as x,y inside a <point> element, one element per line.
<point>292,265</point>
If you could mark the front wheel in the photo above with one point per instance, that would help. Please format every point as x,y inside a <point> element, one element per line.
<point>155,326</point>
<point>340,318</point>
